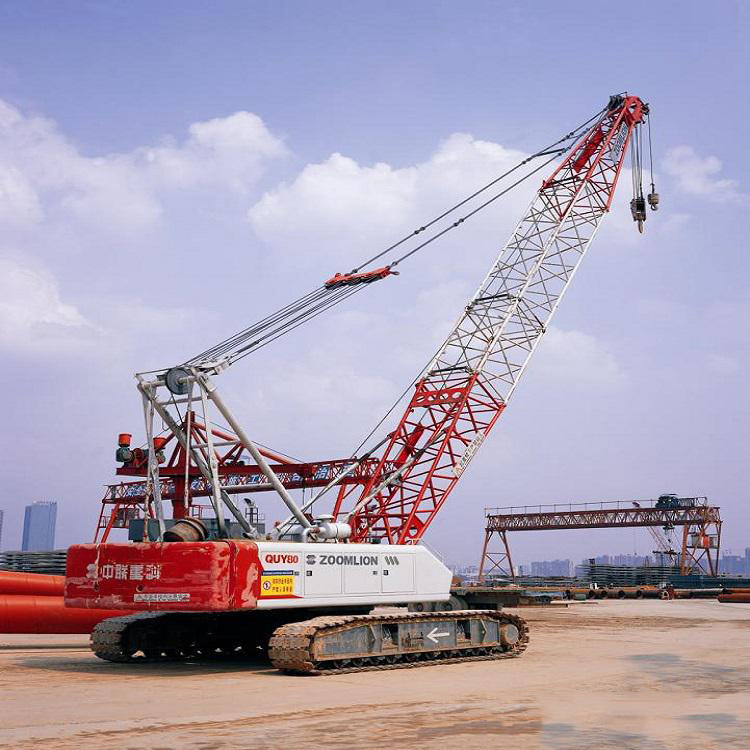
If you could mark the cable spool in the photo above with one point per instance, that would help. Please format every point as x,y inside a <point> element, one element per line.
<point>187,530</point>
<point>176,380</point>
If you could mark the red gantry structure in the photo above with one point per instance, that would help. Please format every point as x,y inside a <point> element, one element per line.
<point>700,522</point>
<point>182,483</point>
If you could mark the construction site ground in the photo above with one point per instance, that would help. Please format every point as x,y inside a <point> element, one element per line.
<point>634,675</point>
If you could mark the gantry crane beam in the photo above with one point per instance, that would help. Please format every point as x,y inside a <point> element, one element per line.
<point>701,524</point>
<point>603,519</point>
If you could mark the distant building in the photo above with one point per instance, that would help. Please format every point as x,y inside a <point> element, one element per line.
<point>629,560</point>
<point>550,568</point>
<point>2,513</point>
<point>735,564</point>
<point>39,526</point>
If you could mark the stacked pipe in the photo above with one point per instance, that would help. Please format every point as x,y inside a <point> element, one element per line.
<point>643,592</point>
<point>617,592</point>
<point>33,603</point>
<point>740,596</point>
<point>697,593</point>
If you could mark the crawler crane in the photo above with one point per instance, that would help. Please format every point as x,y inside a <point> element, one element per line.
<point>306,591</point>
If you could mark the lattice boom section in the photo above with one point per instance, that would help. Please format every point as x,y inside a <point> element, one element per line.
<point>472,377</point>
<point>511,310</point>
<point>451,432</point>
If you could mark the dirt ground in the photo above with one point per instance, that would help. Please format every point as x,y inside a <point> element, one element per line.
<point>633,675</point>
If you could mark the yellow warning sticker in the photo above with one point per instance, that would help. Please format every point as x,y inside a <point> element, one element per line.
<point>276,585</point>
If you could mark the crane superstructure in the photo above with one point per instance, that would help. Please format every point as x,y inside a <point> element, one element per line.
<point>208,593</point>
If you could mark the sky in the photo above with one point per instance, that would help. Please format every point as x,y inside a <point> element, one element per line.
<point>170,172</point>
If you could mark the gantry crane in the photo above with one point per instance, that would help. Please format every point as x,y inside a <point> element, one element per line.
<point>210,593</point>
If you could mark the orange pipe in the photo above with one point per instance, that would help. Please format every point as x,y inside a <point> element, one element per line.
<point>48,614</point>
<point>34,584</point>
<point>741,596</point>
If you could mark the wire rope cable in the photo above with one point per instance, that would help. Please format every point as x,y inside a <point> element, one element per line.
<point>323,298</point>
<point>542,152</point>
<point>650,153</point>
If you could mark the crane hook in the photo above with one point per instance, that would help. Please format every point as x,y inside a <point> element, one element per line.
<point>638,211</point>
<point>653,198</point>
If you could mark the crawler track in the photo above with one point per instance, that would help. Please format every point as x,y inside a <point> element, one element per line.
<point>107,639</point>
<point>169,636</point>
<point>293,647</point>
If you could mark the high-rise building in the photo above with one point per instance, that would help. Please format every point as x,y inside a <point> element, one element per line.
<point>39,526</point>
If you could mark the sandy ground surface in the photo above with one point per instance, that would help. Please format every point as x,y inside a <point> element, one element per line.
<point>614,674</point>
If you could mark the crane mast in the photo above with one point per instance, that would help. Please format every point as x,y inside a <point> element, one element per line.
<point>470,380</point>
<point>393,491</point>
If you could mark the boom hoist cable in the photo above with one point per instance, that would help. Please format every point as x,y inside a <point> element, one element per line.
<point>653,196</point>
<point>340,287</point>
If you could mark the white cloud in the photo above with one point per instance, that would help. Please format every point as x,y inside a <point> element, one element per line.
<point>333,212</point>
<point>36,319</point>
<point>42,175</point>
<point>699,175</point>
<point>673,223</point>
<point>19,202</point>
<point>55,199</point>
<point>342,209</point>
<point>334,193</point>
<point>577,358</point>
<point>230,150</point>
<point>31,311</point>
<point>109,193</point>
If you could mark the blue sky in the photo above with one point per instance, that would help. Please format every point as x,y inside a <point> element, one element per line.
<point>144,218</point>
